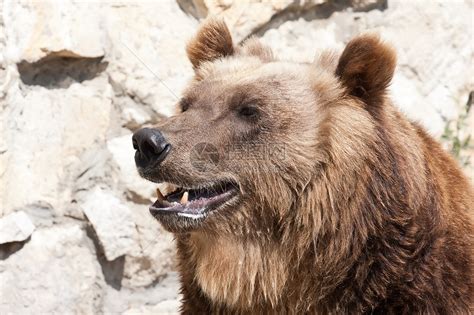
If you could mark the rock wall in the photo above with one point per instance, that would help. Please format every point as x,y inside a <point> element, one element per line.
<point>78,77</point>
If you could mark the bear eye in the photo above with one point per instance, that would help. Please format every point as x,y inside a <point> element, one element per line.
<point>250,112</point>
<point>184,104</point>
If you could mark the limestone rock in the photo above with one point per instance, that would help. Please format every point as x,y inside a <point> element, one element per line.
<point>302,40</point>
<point>123,155</point>
<point>246,17</point>
<point>366,5</point>
<point>156,257</point>
<point>112,222</point>
<point>134,116</point>
<point>46,130</point>
<point>166,307</point>
<point>54,273</point>
<point>15,227</point>
<point>161,298</point>
<point>147,55</point>
<point>39,28</point>
<point>153,255</point>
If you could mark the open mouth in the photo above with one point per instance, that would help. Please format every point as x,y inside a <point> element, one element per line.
<point>194,203</point>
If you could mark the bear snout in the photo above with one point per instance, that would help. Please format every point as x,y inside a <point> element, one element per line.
<point>151,147</point>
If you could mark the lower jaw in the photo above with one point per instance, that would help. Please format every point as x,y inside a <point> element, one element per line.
<point>176,224</point>
<point>183,222</point>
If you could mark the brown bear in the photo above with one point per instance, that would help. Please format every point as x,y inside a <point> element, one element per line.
<point>299,187</point>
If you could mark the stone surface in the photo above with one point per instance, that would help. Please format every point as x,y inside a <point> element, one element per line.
<point>245,17</point>
<point>5,78</point>
<point>45,132</point>
<point>144,52</point>
<point>112,222</point>
<point>158,299</point>
<point>54,273</point>
<point>39,28</point>
<point>15,227</point>
<point>123,155</point>
<point>156,251</point>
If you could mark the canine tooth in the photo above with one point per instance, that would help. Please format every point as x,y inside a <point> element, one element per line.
<point>184,199</point>
<point>159,195</point>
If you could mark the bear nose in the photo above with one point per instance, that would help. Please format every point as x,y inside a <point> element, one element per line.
<point>151,147</point>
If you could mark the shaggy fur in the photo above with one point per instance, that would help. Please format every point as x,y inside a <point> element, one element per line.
<point>210,43</point>
<point>364,214</point>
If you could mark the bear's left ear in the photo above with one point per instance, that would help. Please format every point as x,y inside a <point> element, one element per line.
<point>366,68</point>
<point>212,41</point>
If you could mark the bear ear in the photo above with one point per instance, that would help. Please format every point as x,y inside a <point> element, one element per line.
<point>366,68</point>
<point>253,47</point>
<point>212,41</point>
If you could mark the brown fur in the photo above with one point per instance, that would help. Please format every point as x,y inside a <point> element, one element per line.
<point>365,214</point>
<point>211,42</point>
<point>366,68</point>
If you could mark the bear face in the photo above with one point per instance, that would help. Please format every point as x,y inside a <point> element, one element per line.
<point>250,131</point>
<point>299,188</point>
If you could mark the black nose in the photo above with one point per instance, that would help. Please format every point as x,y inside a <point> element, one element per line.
<point>151,147</point>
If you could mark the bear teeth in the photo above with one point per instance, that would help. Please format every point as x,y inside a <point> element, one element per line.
<point>184,198</point>
<point>159,195</point>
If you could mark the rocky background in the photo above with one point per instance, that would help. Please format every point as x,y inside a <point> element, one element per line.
<point>78,77</point>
